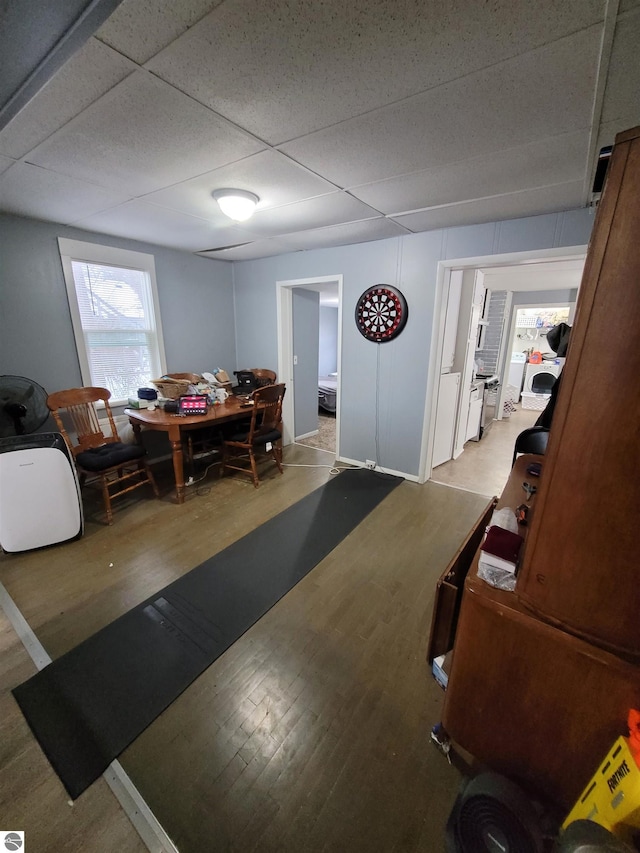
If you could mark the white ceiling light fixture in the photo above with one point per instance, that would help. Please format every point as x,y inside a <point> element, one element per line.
<point>236,204</point>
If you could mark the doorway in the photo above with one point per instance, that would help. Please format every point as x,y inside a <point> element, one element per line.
<point>516,276</point>
<point>329,289</point>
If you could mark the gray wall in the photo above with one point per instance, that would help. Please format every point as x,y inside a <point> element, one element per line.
<point>36,335</point>
<point>306,304</point>
<point>197,302</point>
<point>328,342</point>
<point>399,379</point>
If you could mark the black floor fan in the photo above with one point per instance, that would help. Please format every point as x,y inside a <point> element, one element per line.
<point>493,815</point>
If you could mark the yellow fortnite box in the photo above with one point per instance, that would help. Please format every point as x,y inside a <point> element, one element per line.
<point>612,797</point>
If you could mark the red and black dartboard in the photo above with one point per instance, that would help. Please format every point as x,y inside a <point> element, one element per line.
<point>381,313</point>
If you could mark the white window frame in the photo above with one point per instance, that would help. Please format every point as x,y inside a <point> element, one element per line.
<point>93,253</point>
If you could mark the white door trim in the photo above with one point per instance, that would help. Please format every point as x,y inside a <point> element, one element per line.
<point>437,331</point>
<point>284,301</point>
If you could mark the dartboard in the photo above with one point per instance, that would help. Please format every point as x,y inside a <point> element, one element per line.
<point>381,313</point>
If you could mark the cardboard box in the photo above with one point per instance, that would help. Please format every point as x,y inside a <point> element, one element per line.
<point>440,669</point>
<point>612,797</point>
<point>137,403</point>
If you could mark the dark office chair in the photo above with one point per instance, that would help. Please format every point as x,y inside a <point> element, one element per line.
<point>265,427</point>
<point>100,456</point>
<point>532,440</point>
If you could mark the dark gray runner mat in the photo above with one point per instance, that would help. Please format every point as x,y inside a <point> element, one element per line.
<point>87,706</point>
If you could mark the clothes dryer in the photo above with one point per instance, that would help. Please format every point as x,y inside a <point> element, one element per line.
<point>539,378</point>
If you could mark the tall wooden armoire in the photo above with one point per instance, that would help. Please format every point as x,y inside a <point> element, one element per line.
<point>542,678</point>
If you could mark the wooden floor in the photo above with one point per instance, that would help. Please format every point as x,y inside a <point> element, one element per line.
<point>311,733</point>
<point>484,465</point>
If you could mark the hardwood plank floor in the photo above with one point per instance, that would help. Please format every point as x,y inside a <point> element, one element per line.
<point>31,796</point>
<point>311,733</point>
<point>484,465</point>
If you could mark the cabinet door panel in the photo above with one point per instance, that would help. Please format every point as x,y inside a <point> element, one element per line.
<point>580,568</point>
<point>541,706</point>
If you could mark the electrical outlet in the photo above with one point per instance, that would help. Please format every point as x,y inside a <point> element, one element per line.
<point>370,464</point>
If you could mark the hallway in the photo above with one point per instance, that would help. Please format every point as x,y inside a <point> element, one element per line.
<point>484,465</point>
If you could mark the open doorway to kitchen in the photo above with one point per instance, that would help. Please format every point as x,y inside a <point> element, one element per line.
<point>481,460</point>
<point>309,352</point>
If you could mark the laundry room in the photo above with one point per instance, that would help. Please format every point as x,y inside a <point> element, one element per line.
<point>534,365</point>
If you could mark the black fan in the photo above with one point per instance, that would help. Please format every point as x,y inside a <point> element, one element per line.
<point>492,815</point>
<point>23,406</point>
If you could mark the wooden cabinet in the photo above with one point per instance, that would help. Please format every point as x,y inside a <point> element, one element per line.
<point>531,701</point>
<point>581,568</point>
<point>542,678</point>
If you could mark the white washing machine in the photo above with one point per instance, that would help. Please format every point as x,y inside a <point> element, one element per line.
<point>539,378</point>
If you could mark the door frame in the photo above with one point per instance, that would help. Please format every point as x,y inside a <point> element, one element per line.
<point>284,301</point>
<point>443,274</point>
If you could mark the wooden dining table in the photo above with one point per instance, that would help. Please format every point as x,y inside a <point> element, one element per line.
<point>233,409</point>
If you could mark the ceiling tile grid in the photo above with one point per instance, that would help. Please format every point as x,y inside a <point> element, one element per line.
<point>351,121</point>
<point>143,134</point>
<point>350,57</point>
<point>153,224</point>
<point>540,163</point>
<point>28,190</point>
<point>269,174</point>
<point>89,74</point>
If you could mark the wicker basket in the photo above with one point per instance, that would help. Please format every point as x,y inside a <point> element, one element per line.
<point>171,389</point>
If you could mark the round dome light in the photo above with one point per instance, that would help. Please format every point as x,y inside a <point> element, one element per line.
<point>236,204</point>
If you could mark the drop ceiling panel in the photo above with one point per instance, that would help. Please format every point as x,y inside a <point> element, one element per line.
<point>622,93</point>
<point>326,62</point>
<point>311,213</point>
<point>467,110</point>
<point>272,176</point>
<point>545,93</point>
<point>31,191</point>
<point>89,74</point>
<point>140,29</point>
<point>31,36</point>
<point>342,235</point>
<point>143,135</point>
<point>153,224</point>
<point>250,252</point>
<point>5,162</point>
<point>548,161</point>
<point>517,205</point>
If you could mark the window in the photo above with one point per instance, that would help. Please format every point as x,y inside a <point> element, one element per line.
<point>114,308</point>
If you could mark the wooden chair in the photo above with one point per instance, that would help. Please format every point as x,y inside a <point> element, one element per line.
<point>103,458</point>
<point>265,427</point>
<point>263,377</point>
<point>532,440</point>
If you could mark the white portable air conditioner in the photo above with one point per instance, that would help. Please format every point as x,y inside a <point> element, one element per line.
<point>40,501</point>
